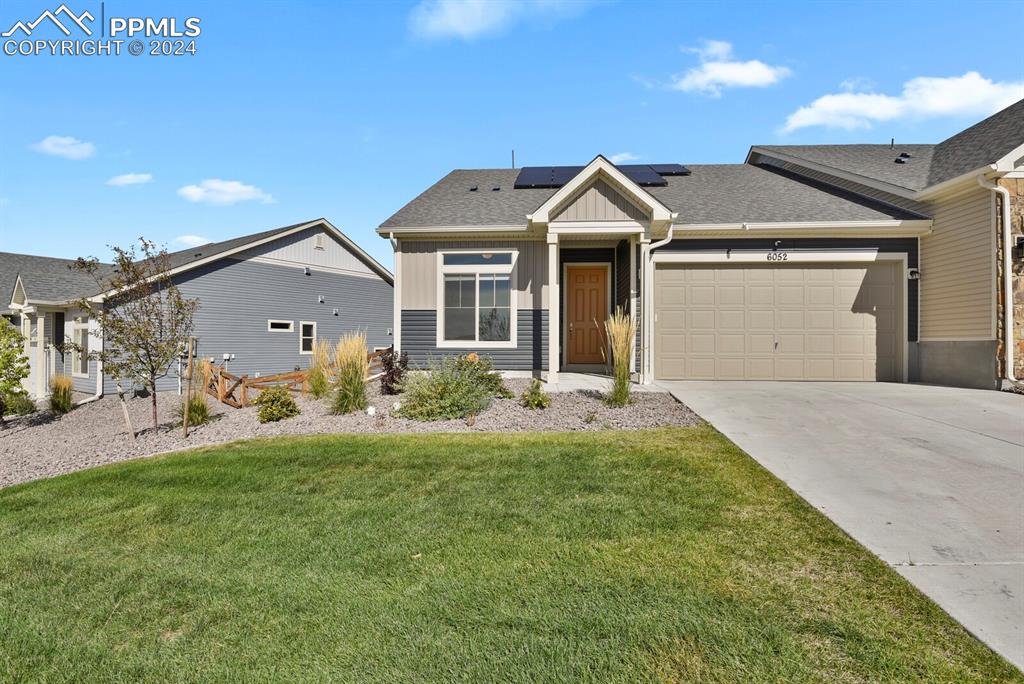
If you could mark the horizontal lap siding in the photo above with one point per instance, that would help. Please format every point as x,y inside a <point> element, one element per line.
<point>419,277</point>
<point>419,339</point>
<point>236,298</point>
<point>886,245</point>
<point>957,268</point>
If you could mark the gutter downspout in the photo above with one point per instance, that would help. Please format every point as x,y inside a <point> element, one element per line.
<point>1007,277</point>
<point>396,300</point>
<point>648,299</point>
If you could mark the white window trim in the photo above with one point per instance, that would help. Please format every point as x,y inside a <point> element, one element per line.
<point>313,346</point>
<point>290,328</point>
<point>76,326</point>
<point>476,269</point>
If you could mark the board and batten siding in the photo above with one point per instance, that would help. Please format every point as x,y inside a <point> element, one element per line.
<point>238,297</point>
<point>958,268</point>
<point>419,339</point>
<point>419,274</point>
<point>599,202</point>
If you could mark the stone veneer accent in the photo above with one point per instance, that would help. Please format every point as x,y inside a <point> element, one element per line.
<point>1016,188</point>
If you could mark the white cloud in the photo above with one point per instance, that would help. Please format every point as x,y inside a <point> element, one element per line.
<point>217,191</point>
<point>719,70</point>
<point>922,97</point>
<point>190,240</point>
<point>623,157</point>
<point>130,179</point>
<point>64,146</point>
<point>469,19</point>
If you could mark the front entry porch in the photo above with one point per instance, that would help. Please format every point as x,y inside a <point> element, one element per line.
<point>590,277</point>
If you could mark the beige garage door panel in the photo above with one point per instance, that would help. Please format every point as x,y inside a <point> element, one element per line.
<point>810,322</point>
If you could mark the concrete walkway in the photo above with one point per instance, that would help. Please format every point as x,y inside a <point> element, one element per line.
<point>931,479</point>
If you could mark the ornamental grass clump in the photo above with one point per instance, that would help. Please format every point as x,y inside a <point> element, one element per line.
<point>61,390</point>
<point>621,331</point>
<point>318,379</point>
<point>275,403</point>
<point>197,406</point>
<point>352,367</point>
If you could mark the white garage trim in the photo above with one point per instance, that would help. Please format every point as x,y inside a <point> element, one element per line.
<point>760,256</point>
<point>765,256</point>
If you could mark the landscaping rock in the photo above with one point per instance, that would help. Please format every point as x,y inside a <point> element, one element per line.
<point>43,445</point>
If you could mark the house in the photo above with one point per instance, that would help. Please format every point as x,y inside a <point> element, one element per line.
<point>264,300</point>
<point>806,262</point>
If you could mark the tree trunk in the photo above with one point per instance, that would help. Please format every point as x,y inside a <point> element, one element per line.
<point>152,394</point>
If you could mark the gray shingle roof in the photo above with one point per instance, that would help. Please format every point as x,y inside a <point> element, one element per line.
<point>184,256</point>
<point>45,278</point>
<point>715,193</point>
<point>53,280</point>
<point>870,161</point>
<point>983,143</point>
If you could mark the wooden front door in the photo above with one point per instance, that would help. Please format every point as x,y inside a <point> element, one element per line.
<point>586,310</point>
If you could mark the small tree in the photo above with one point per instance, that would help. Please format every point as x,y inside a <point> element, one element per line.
<point>145,322</point>
<point>13,363</point>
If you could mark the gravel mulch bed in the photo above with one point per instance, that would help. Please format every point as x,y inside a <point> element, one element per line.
<point>40,445</point>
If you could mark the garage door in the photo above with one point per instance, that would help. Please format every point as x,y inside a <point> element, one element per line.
<point>778,322</point>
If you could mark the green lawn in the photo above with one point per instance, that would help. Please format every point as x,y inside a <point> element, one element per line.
<point>665,555</point>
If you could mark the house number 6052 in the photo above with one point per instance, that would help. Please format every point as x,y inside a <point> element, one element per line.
<point>778,256</point>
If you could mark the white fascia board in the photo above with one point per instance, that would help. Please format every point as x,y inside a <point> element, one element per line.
<point>952,183</point>
<point>1009,161</point>
<point>599,165</point>
<point>359,252</point>
<point>909,227</point>
<point>385,273</point>
<point>416,230</point>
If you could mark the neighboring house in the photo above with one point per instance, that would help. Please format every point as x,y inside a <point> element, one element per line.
<point>264,299</point>
<point>807,262</point>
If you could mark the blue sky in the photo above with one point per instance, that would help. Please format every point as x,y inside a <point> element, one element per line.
<point>295,110</point>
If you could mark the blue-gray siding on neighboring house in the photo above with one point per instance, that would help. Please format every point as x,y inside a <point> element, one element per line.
<point>888,245</point>
<point>237,298</point>
<point>419,339</point>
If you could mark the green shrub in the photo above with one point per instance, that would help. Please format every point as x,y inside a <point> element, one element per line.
<point>198,410</point>
<point>480,369</point>
<point>535,397</point>
<point>275,404</point>
<point>61,390</point>
<point>452,388</point>
<point>318,384</point>
<point>17,404</point>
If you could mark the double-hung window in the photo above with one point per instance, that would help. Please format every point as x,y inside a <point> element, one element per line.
<point>80,353</point>
<point>476,306</point>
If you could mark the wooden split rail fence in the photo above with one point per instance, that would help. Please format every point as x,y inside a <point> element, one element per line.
<point>239,390</point>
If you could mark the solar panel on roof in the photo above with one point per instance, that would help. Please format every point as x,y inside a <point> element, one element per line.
<point>670,169</point>
<point>642,174</point>
<point>648,175</point>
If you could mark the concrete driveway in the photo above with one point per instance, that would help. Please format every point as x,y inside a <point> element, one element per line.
<point>931,479</point>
